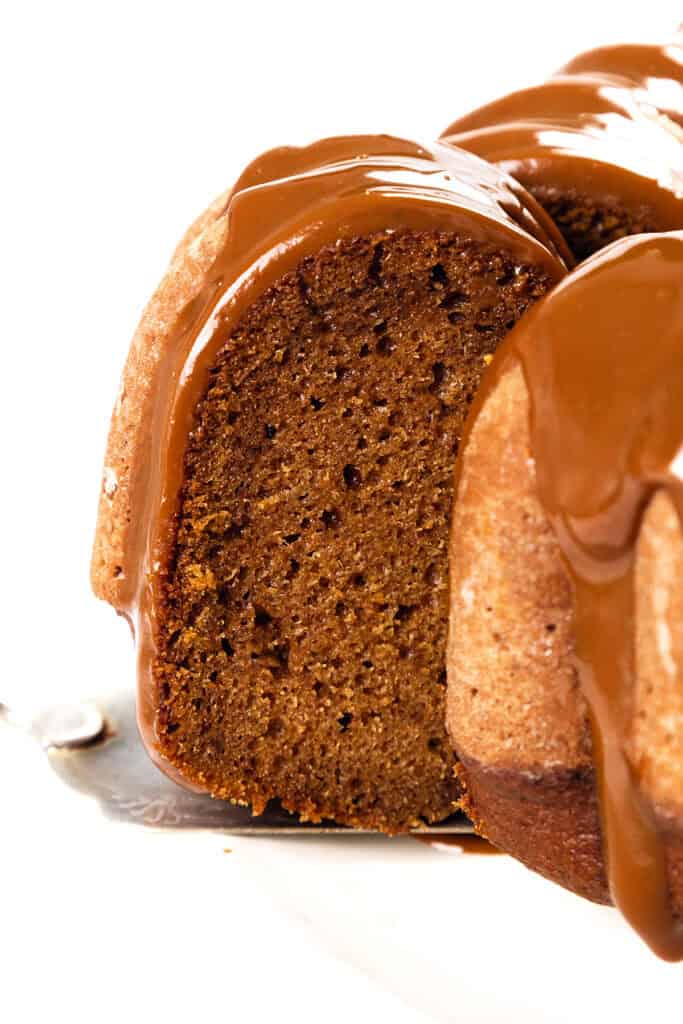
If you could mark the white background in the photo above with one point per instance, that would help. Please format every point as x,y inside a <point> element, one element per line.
<point>120,122</point>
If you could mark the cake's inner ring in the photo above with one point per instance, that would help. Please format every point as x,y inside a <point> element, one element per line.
<point>589,223</point>
<point>303,633</point>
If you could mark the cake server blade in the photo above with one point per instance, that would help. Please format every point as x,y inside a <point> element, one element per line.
<point>95,749</point>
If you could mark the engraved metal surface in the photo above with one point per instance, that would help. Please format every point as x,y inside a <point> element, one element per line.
<point>116,771</point>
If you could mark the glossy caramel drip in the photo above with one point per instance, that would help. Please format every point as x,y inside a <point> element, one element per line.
<point>657,69</point>
<point>557,100</point>
<point>602,357</point>
<point>632,81</point>
<point>637,61</point>
<point>288,204</point>
<point>605,125</point>
<point>635,160</point>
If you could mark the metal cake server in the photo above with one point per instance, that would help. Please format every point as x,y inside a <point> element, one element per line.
<point>95,749</point>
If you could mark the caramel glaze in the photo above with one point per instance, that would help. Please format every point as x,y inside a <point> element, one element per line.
<point>561,97</point>
<point>604,126</point>
<point>602,357</point>
<point>599,154</point>
<point>288,204</point>
<point>658,69</point>
<point>629,80</point>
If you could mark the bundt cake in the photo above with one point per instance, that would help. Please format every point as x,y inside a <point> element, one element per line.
<point>323,615</point>
<point>596,145</point>
<point>275,506</point>
<point>565,654</point>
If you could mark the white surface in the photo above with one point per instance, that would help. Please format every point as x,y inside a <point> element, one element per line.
<point>120,122</point>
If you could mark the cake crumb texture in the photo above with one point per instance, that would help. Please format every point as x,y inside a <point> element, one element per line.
<point>302,628</point>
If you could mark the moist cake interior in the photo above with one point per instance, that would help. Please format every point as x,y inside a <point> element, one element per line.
<point>589,223</point>
<point>302,630</point>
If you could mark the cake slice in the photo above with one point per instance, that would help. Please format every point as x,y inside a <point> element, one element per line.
<point>276,499</point>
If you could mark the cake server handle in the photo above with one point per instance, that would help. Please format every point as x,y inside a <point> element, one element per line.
<point>64,726</point>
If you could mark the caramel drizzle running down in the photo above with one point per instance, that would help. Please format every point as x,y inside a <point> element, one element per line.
<point>602,356</point>
<point>289,204</point>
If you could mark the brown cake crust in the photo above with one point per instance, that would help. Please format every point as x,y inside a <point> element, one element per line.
<point>131,418</point>
<point>549,819</point>
<point>515,712</point>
